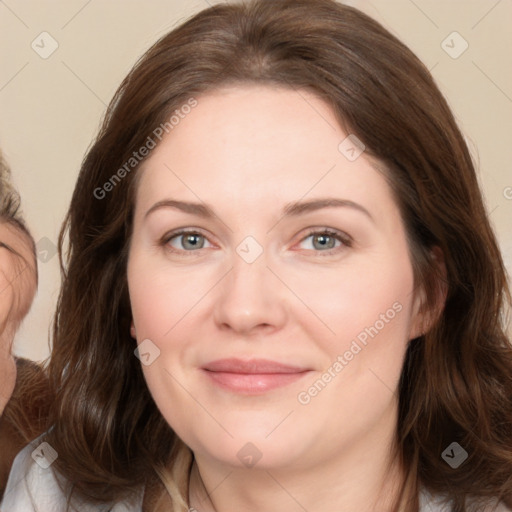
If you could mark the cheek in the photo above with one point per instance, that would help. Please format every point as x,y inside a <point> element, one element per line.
<point>7,296</point>
<point>372,329</point>
<point>154,304</point>
<point>156,297</point>
<point>369,309</point>
<point>8,377</point>
<point>366,293</point>
<point>163,304</point>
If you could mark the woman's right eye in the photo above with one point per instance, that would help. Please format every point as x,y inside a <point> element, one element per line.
<point>185,241</point>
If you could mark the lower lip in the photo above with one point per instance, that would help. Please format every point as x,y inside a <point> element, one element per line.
<point>253,383</point>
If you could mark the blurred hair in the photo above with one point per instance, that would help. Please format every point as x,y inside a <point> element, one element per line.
<point>9,197</point>
<point>11,214</point>
<point>456,380</point>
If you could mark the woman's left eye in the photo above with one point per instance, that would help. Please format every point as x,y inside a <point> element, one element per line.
<point>325,241</point>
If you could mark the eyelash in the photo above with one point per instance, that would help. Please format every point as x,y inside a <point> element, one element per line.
<point>337,235</point>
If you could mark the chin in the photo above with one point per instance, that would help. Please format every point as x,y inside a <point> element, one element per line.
<point>252,448</point>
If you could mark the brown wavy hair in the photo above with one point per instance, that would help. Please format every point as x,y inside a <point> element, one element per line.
<point>456,384</point>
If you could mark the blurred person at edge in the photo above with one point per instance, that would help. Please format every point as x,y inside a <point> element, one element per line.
<point>24,387</point>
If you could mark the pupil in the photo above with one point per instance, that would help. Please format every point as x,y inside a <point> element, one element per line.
<point>192,240</point>
<point>322,239</point>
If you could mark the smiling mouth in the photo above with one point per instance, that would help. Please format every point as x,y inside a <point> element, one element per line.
<point>252,377</point>
<point>256,383</point>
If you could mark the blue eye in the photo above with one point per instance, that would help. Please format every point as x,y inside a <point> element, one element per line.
<point>190,240</point>
<point>325,241</point>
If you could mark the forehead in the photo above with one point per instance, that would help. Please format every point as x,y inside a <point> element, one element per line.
<point>256,127</point>
<point>252,143</point>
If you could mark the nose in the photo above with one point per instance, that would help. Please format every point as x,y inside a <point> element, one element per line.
<point>250,299</point>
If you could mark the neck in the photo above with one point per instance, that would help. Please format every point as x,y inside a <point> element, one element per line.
<point>363,476</point>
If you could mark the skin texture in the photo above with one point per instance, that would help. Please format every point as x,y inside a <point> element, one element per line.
<point>247,151</point>
<point>17,289</point>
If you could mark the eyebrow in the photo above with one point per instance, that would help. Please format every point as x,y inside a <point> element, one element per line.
<point>290,209</point>
<point>8,247</point>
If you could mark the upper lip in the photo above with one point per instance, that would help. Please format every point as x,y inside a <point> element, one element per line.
<point>251,366</point>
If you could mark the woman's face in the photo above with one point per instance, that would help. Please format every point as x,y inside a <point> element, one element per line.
<point>263,338</point>
<point>17,288</point>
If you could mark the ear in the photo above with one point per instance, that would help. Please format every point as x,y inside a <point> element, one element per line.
<point>422,319</point>
<point>133,333</point>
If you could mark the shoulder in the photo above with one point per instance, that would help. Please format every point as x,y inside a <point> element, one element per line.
<point>437,503</point>
<point>34,487</point>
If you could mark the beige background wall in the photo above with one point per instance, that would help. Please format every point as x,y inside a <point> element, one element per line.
<point>50,108</point>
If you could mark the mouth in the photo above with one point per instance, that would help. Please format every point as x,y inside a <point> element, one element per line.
<point>252,377</point>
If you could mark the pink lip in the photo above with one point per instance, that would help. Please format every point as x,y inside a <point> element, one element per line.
<point>252,377</point>
<point>253,366</point>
